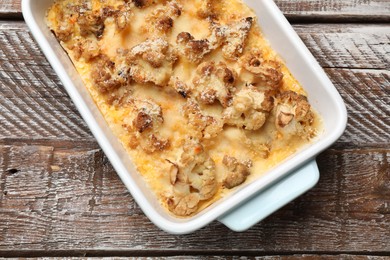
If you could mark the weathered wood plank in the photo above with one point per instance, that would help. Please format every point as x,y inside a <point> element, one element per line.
<point>35,106</point>
<point>353,46</point>
<point>366,94</point>
<point>10,9</point>
<point>340,10</point>
<point>218,257</point>
<point>33,101</point>
<point>52,199</point>
<point>310,10</point>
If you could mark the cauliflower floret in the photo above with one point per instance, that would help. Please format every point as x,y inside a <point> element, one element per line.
<point>193,178</point>
<point>233,36</point>
<point>207,126</point>
<point>193,50</point>
<point>293,115</point>
<point>91,23</point>
<point>143,124</point>
<point>181,87</point>
<point>123,16</point>
<point>105,75</point>
<point>65,14</point>
<point>86,48</point>
<point>151,62</point>
<point>147,3</point>
<point>147,115</point>
<point>213,82</point>
<point>266,72</point>
<point>79,17</point>
<point>237,171</point>
<point>160,21</point>
<point>250,108</point>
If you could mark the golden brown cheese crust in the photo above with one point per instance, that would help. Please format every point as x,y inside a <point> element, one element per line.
<point>192,90</point>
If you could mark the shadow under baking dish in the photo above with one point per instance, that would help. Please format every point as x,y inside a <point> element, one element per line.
<point>251,202</point>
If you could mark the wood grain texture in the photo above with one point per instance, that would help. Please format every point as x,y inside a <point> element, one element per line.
<point>53,199</point>
<point>337,11</point>
<point>303,10</point>
<point>229,257</point>
<point>10,9</point>
<point>366,94</point>
<point>33,101</point>
<point>351,46</point>
<point>35,106</point>
<point>90,256</point>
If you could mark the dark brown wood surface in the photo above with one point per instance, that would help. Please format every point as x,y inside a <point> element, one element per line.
<point>59,195</point>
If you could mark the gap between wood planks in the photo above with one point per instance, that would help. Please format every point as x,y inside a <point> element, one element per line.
<point>193,254</point>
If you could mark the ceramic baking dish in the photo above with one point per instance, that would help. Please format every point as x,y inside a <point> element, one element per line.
<point>251,202</point>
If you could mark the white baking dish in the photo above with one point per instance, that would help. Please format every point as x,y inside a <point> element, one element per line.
<point>253,201</point>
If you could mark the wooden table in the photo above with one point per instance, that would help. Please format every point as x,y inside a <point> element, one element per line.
<point>59,195</point>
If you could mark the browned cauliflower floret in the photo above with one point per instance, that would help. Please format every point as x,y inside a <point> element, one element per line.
<point>79,17</point>
<point>144,123</point>
<point>148,115</point>
<point>250,108</point>
<point>123,17</point>
<point>147,3</point>
<point>196,163</point>
<point>151,62</point>
<point>293,115</point>
<point>91,23</point>
<point>237,171</point>
<point>207,126</point>
<point>181,87</point>
<point>65,29</point>
<point>213,82</point>
<point>86,48</point>
<point>266,72</point>
<point>193,178</point>
<point>66,14</point>
<point>105,75</point>
<point>233,36</point>
<point>142,3</point>
<point>161,20</point>
<point>193,50</point>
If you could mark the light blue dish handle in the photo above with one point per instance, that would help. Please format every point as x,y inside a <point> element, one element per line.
<point>272,199</point>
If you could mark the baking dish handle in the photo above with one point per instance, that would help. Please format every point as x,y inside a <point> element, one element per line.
<point>273,198</point>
